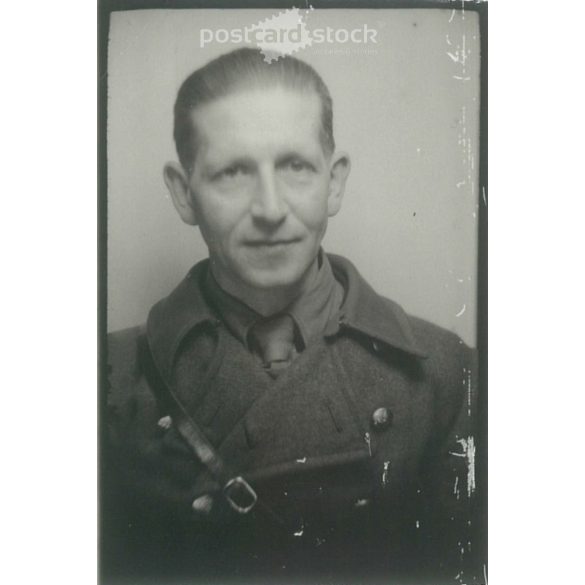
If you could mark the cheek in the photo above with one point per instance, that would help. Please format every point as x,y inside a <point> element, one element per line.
<point>311,207</point>
<point>218,216</point>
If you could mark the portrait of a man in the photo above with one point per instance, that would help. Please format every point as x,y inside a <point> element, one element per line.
<point>273,418</point>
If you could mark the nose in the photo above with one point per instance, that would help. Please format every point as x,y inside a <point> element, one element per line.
<point>268,206</point>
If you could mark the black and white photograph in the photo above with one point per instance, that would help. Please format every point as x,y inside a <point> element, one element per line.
<point>293,233</point>
<point>245,256</point>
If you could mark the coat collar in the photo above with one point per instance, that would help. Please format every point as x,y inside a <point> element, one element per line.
<point>367,312</point>
<point>362,310</point>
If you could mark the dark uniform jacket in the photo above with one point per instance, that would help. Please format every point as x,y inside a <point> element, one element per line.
<point>361,452</point>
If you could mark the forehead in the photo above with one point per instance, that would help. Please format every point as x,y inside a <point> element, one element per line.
<point>258,120</point>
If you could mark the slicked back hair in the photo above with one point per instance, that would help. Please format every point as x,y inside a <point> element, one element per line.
<point>244,69</point>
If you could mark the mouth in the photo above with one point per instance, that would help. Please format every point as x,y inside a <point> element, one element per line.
<point>280,243</point>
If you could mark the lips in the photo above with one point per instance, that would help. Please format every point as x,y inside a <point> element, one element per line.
<point>271,243</point>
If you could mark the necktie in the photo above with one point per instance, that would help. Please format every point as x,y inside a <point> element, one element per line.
<point>273,340</point>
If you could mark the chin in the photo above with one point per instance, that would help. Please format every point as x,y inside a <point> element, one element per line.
<point>274,278</point>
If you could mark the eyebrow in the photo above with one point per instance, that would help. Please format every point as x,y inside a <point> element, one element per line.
<point>211,169</point>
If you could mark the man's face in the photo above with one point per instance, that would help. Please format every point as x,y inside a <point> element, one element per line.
<point>262,190</point>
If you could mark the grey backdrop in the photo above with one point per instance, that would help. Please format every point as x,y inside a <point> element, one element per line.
<point>406,109</point>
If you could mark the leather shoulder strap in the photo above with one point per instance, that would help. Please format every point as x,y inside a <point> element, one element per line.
<point>238,493</point>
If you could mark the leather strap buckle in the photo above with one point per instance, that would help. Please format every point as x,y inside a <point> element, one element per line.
<point>240,495</point>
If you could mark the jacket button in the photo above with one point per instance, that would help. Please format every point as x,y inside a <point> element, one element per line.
<point>382,418</point>
<point>165,422</point>
<point>202,504</point>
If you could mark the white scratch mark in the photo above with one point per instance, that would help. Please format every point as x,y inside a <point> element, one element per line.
<point>452,15</point>
<point>448,40</point>
<point>300,532</point>
<point>417,524</point>
<point>385,473</point>
<point>469,393</point>
<point>454,58</point>
<point>460,184</point>
<point>483,195</point>
<point>463,54</point>
<point>462,311</point>
<point>468,446</point>
<point>456,487</point>
<point>461,78</point>
<point>368,442</point>
<point>459,280</point>
<point>484,574</point>
<point>303,460</point>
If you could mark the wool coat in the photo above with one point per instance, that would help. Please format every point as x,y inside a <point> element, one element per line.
<point>362,451</point>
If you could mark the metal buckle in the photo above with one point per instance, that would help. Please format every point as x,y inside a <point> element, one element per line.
<point>238,486</point>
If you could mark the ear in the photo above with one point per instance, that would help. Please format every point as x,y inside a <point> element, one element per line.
<point>339,170</point>
<point>177,182</point>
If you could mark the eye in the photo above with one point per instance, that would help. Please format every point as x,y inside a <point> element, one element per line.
<point>298,166</point>
<point>232,173</point>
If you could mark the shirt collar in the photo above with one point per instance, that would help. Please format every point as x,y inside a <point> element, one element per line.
<point>311,312</point>
<point>314,310</point>
<point>237,316</point>
<point>362,310</point>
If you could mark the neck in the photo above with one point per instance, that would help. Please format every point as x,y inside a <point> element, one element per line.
<point>270,301</point>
